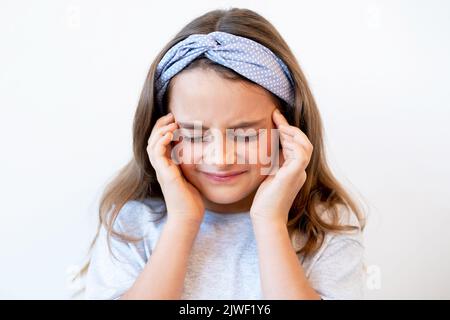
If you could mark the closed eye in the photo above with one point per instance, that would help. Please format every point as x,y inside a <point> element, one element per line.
<point>246,137</point>
<point>236,137</point>
<point>193,139</point>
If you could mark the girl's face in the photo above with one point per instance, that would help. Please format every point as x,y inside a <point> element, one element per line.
<point>217,104</point>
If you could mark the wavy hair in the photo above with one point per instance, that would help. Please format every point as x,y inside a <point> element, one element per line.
<point>137,179</point>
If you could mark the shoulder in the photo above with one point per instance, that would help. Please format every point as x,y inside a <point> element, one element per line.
<point>340,215</point>
<point>136,217</point>
<point>336,269</point>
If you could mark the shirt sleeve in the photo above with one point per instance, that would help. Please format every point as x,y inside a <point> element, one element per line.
<point>109,276</point>
<point>338,272</point>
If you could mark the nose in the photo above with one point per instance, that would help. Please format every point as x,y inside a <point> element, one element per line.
<point>220,151</point>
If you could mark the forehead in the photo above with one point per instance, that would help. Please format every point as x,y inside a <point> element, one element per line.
<point>202,94</point>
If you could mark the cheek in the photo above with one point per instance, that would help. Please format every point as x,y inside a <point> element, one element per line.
<point>265,146</point>
<point>189,172</point>
<point>264,143</point>
<point>187,153</point>
<point>255,176</point>
<point>267,149</point>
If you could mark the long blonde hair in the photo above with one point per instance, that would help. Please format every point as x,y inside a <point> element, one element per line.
<point>137,179</point>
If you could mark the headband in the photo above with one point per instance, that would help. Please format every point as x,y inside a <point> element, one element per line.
<point>246,57</point>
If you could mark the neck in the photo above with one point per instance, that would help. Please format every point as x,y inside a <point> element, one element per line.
<point>239,206</point>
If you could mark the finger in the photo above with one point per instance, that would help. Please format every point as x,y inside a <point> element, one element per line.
<point>160,149</point>
<point>289,151</point>
<point>278,118</point>
<point>284,137</point>
<point>166,119</point>
<point>296,152</point>
<point>159,132</point>
<point>297,136</point>
<point>163,130</point>
<point>162,121</point>
<point>290,130</point>
<point>162,143</point>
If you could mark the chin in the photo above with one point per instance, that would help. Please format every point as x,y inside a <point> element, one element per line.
<point>222,197</point>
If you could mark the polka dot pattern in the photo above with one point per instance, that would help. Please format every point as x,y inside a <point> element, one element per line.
<point>245,56</point>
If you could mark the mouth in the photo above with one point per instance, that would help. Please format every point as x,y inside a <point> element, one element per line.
<point>223,176</point>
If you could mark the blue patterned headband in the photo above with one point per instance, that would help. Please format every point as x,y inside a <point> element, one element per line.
<point>246,57</point>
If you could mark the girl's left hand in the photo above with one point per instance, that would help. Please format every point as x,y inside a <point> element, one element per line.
<point>277,192</point>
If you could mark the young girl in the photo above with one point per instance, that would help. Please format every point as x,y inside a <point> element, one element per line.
<point>215,225</point>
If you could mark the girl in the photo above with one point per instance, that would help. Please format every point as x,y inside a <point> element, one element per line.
<point>214,225</point>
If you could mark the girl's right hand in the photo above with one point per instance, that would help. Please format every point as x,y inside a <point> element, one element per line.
<point>182,199</point>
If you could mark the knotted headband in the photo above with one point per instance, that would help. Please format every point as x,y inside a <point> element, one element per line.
<point>245,56</point>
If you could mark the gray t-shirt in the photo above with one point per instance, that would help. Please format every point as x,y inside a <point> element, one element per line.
<point>223,263</point>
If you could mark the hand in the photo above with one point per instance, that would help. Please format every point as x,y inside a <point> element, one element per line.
<point>277,192</point>
<point>182,199</point>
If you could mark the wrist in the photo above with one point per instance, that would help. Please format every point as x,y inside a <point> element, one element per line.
<point>269,218</point>
<point>184,221</point>
<point>268,223</point>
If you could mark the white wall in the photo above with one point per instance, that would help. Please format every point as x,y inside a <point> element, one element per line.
<point>71,73</point>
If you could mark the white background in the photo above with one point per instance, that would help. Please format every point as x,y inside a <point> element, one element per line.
<point>71,73</point>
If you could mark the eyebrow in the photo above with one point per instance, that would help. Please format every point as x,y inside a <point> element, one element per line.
<point>244,124</point>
